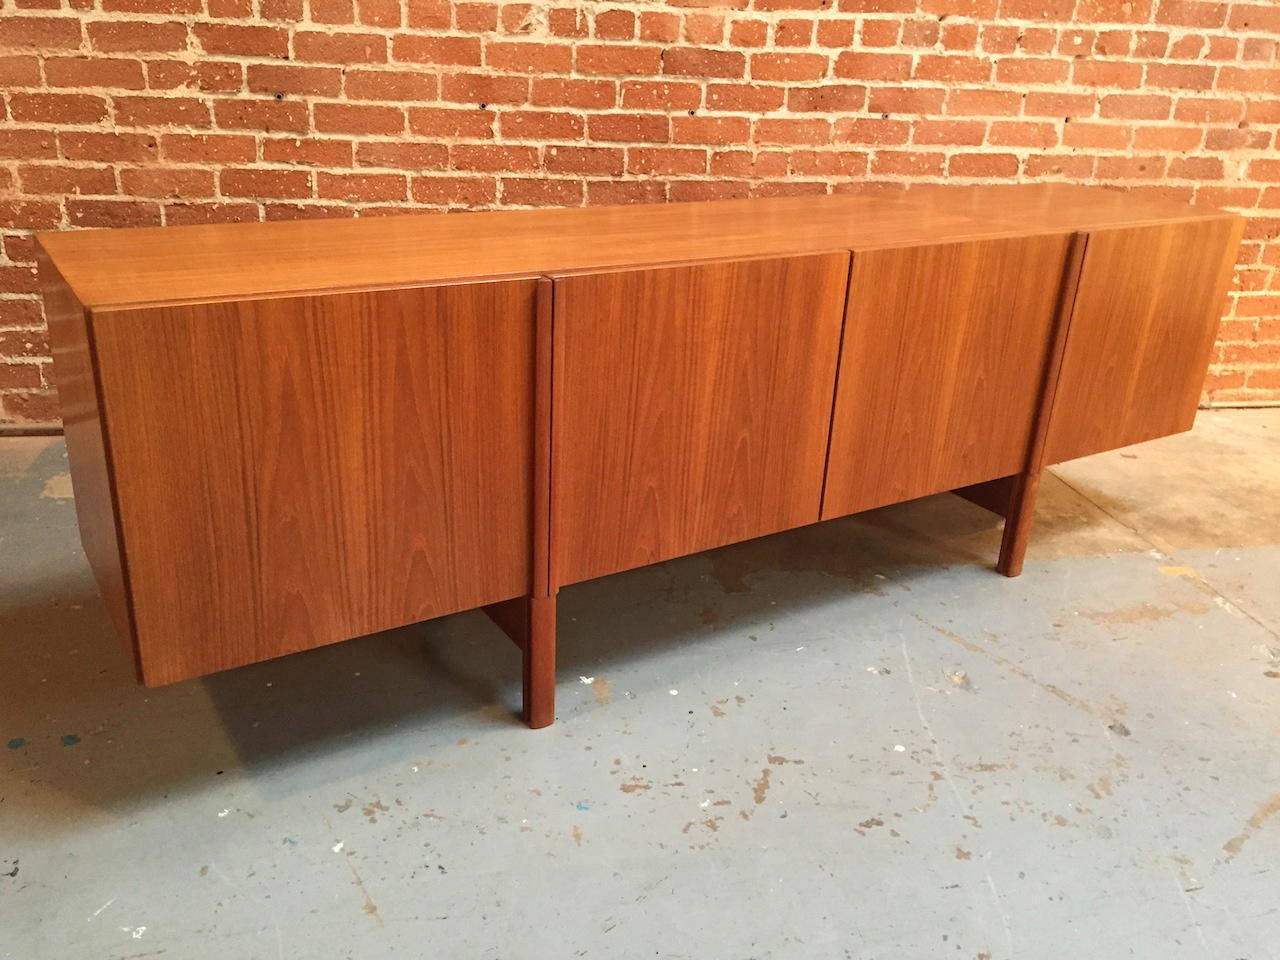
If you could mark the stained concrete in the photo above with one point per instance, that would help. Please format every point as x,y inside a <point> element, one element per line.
<point>849,741</point>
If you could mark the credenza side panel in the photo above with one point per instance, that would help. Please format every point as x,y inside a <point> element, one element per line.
<point>1142,329</point>
<point>944,355</point>
<point>87,452</point>
<point>296,471</point>
<point>691,407</point>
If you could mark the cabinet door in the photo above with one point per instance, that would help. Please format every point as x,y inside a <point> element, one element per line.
<point>691,407</point>
<point>944,357</point>
<point>296,471</point>
<point>1143,325</point>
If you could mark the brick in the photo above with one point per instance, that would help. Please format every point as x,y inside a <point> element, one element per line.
<point>378,13</point>
<point>59,178</point>
<point>1184,76</point>
<point>541,125</point>
<point>617,60</point>
<point>39,33</point>
<point>186,214</point>
<point>403,154</point>
<point>1115,11</point>
<point>873,66</point>
<point>241,40</point>
<point>1060,104</point>
<point>343,48</point>
<point>293,79</point>
<point>585,94</point>
<point>277,184</point>
<point>589,161</point>
<point>793,33</point>
<point>629,128</point>
<point>1135,106</point>
<point>266,116</point>
<point>135,36</point>
<point>703,29</point>
<point>901,163</point>
<point>309,151</point>
<point>484,89</point>
<point>485,157</point>
<point>28,144</point>
<point>159,111</point>
<point>694,62</point>
<point>614,25</point>
<point>23,71</point>
<point>714,130</point>
<point>57,107</point>
<point>659,27</point>
<point>542,192</point>
<point>453,51</point>
<point>1191,13</point>
<point>755,33</point>
<point>455,191</point>
<point>178,182</point>
<point>427,14</point>
<point>969,133</point>
<point>1032,70</point>
<point>113,213</point>
<point>991,103</point>
<point>983,165</point>
<point>207,148</point>
<point>450,122</point>
<point>1130,168</point>
<point>787,130</point>
<point>529,57</point>
<point>1106,73</point>
<point>398,85</point>
<point>788,66</point>
<point>666,161</point>
<point>873,131</point>
<point>952,69</point>
<point>830,98</point>
<point>92,72</point>
<point>207,76</point>
<point>107,147</point>
<point>917,100</point>
<point>362,187</point>
<point>660,95</point>
<point>749,97</point>
<point>357,118</point>
<point>29,214</point>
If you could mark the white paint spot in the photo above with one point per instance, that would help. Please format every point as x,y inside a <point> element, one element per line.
<point>798,649</point>
<point>337,846</point>
<point>135,932</point>
<point>57,487</point>
<point>899,748</point>
<point>223,813</point>
<point>674,693</point>
<point>587,680</point>
<point>100,909</point>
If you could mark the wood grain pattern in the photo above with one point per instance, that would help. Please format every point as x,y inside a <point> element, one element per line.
<point>164,265</point>
<point>1143,326</point>
<point>87,453</point>
<point>293,472</point>
<point>691,407</point>
<point>944,355</point>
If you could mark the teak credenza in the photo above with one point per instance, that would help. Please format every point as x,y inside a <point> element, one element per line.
<point>282,435</point>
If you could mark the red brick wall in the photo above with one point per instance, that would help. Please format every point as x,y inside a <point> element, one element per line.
<point>120,112</point>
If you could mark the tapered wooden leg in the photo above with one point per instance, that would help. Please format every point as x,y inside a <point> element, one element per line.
<point>530,622</point>
<point>1017,523</point>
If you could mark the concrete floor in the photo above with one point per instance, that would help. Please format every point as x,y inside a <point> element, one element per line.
<point>849,741</point>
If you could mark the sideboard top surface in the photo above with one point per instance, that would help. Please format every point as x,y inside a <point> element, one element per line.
<point>110,269</point>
